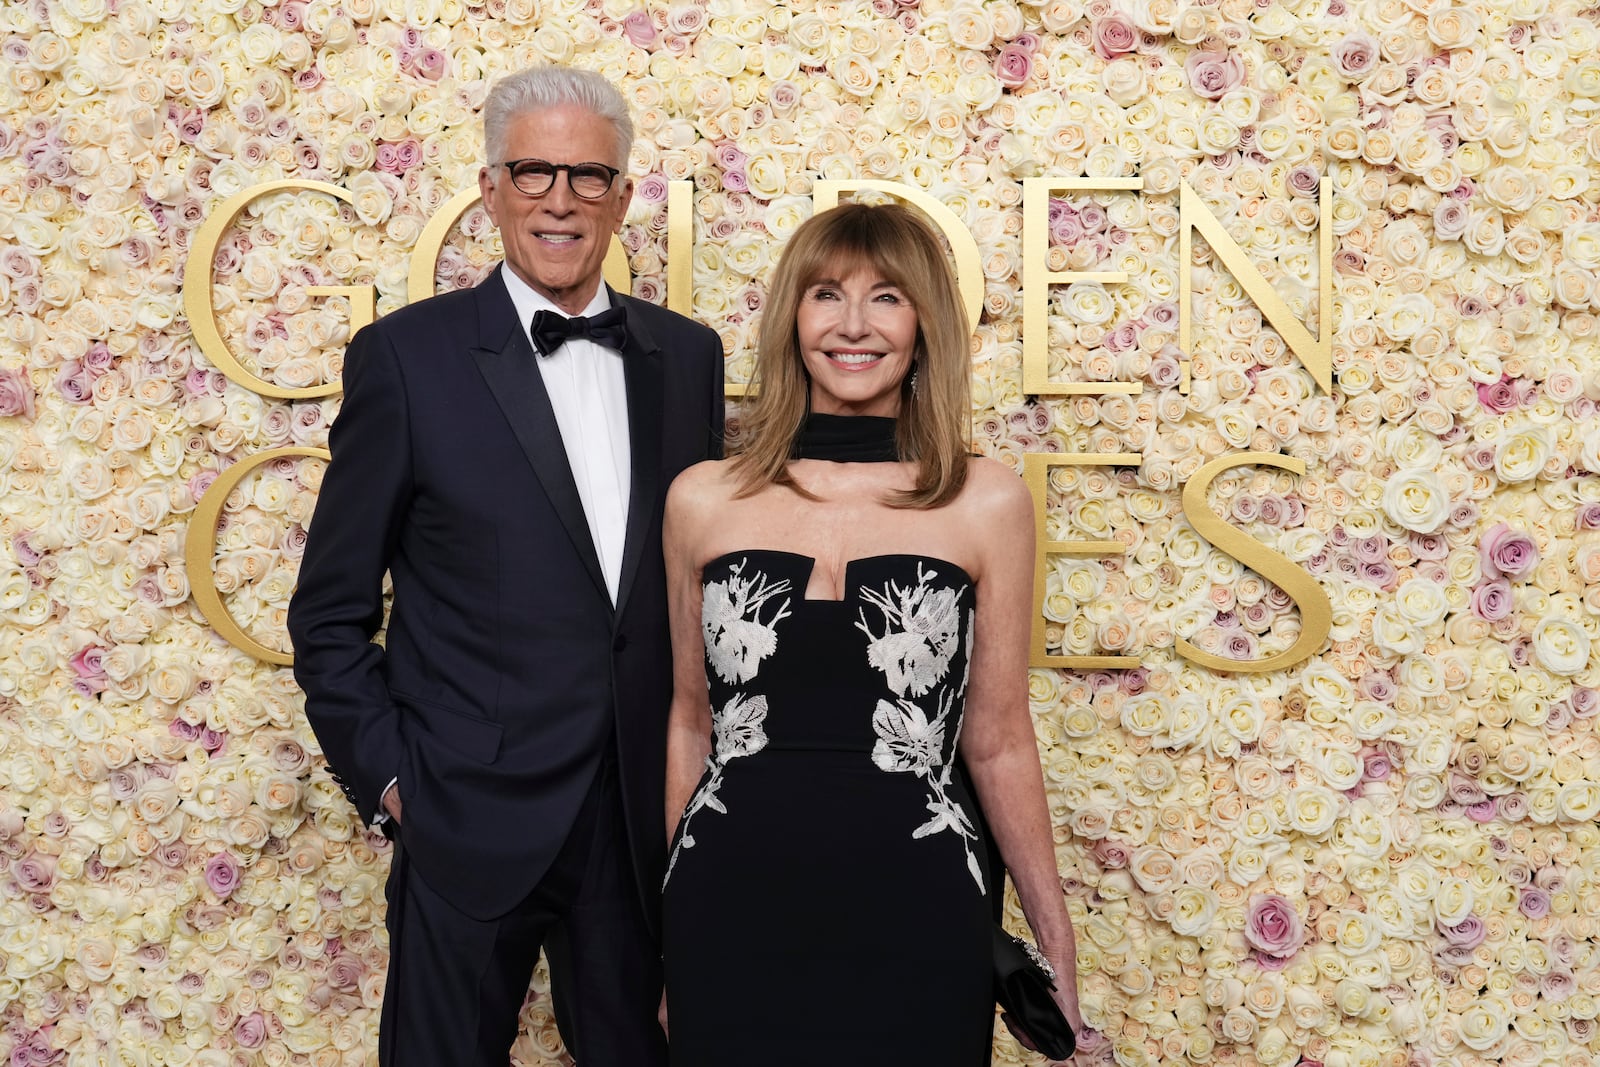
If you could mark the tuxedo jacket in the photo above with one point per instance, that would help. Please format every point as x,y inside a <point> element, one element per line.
<point>506,672</point>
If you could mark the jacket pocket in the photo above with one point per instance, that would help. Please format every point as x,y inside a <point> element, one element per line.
<point>468,735</point>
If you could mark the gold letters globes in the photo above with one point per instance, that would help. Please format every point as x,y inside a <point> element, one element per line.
<point>200,542</point>
<point>1316,611</point>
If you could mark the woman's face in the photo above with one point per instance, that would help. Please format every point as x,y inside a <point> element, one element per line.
<point>858,334</point>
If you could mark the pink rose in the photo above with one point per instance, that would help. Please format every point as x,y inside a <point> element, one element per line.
<point>222,875</point>
<point>75,382</point>
<point>430,64</point>
<point>1450,219</point>
<point>1492,600</point>
<point>1123,338</point>
<point>1214,74</point>
<point>397,157</point>
<point>1508,552</point>
<point>35,872</point>
<point>1112,855</point>
<point>652,189</point>
<point>16,394</point>
<point>1585,702</point>
<point>251,1030</point>
<point>201,482</point>
<point>1114,36</point>
<point>1066,228</point>
<point>783,95</point>
<point>27,555</point>
<point>1356,55</point>
<point>638,28</point>
<point>86,663</point>
<point>1272,927</point>
<point>1499,397</point>
<point>1428,546</point>
<point>346,972</point>
<point>1468,933</point>
<point>1013,66</point>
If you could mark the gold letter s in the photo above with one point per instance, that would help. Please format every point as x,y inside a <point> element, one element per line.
<point>1315,610</point>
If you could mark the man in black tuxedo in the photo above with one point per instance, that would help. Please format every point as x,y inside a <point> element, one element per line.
<point>503,454</point>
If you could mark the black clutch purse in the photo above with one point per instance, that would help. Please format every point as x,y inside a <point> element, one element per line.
<point>1023,982</point>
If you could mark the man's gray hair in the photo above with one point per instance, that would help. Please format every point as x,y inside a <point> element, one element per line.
<point>538,88</point>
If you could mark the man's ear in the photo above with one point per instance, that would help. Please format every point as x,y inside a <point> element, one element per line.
<point>485,189</point>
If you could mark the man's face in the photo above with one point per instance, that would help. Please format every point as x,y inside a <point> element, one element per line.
<point>557,242</point>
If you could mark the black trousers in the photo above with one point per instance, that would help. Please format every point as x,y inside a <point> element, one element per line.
<point>457,984</point>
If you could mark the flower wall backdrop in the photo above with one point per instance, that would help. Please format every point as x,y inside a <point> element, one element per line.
<point>1384,855</point>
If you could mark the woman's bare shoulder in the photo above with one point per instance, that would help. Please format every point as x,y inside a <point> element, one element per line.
<point>994,489</point>
<point>702,488</point>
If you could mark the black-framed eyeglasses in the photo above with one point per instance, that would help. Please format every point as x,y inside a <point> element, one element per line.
<point>534,177</point>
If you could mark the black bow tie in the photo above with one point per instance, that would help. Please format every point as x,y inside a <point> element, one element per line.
<point>551,329</point>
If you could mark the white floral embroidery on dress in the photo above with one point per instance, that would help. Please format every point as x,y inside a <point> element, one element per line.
<point>736,731</point>
<point>736,638</point>
<point>921,625</point>
<point>921,629</point>
<point>736,641</point>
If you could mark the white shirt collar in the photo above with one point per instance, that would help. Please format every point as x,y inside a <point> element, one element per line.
<point>528,301</point>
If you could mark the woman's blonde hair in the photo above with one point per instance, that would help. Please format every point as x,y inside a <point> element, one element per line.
<point>936,394</point>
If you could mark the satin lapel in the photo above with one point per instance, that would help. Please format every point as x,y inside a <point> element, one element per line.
<point>513,377</point>
<point>642,374</point>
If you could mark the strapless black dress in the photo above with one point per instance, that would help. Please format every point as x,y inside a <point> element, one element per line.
<point>827,898</point>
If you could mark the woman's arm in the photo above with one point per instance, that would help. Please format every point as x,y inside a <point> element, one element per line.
<point>997,737</point>
<point>689,719</point>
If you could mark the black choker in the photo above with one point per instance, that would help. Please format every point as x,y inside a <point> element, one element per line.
<point>847,439</point>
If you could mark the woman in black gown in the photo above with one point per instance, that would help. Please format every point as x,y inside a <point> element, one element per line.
<point>850,600</point>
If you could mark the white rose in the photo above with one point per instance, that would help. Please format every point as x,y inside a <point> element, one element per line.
<point>1452,902</point>
<point>1581,244</point>
<point>1088,302</point>
<point>1422,602</point>
<point>1579,802</point>
<point>1483,1024</point>
<point>1406,315</point>
<point>1522,455</point>
<point>1195,912</point>
<point>1561,645</point>
<point>1416,500</point>
<point>1393,633</point>
<point>1312,810</point>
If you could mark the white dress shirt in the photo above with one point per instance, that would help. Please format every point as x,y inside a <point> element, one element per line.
<point>590,399</point>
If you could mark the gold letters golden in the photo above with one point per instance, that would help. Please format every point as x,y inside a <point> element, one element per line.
<point>197,304</point>
<point>200,543</point>
<point>1315,352</point>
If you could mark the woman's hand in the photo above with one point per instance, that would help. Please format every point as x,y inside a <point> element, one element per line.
<point>1066,991</point>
